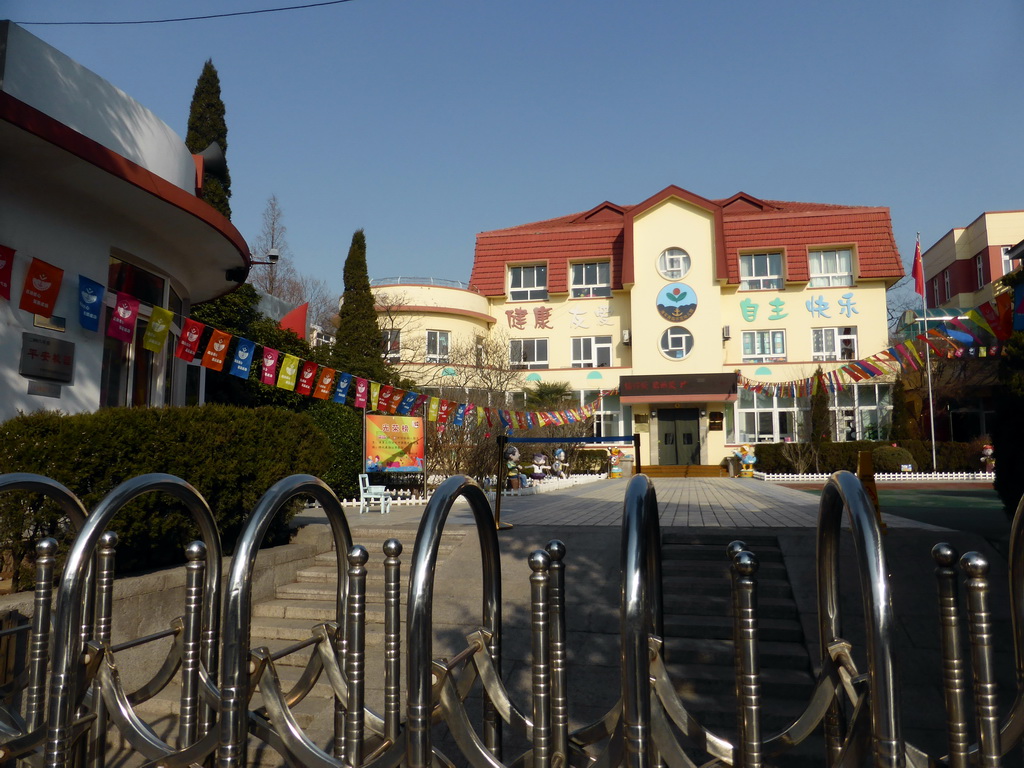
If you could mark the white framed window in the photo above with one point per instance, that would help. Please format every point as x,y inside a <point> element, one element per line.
<point>592,352</point>
<point>762,418</point>
<point>607,412</point>
<point>834,343</point>
<point>947,284</point>
<point>528,283</point>
<point>979,266</point>
<point>764,346</point>
<point>591,280</point>
<point>935,292</point>
<point>527,354</point>
<point>674,263</point>
<point>676,343</point>
<point>760,271</point>
<point>830,268</point>
<point>860,412</point>
<point>391,345</point>
<point>1005,260</point>
<point>437,346</point>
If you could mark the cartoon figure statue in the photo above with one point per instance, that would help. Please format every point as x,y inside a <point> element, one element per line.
<point>512,467</point>
<point>988,462</point>
<point>745,453</point>
<point>559,468</point>
<point>614,460</point>
<point>537,470</point>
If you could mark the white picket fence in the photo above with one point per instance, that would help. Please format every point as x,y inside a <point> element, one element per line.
<point>885,477</point>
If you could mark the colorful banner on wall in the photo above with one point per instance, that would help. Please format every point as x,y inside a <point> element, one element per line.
<point>159,326</point>
<point>42,286</point>
<point>6,270</point>
<point>394,443</point>
<point>123,317</point>
<point>90,302</point>
<point>268,375</point>
<point>289,370</point>
<point>216,354</point>
<point>245,351</point>
<point>188,342</point>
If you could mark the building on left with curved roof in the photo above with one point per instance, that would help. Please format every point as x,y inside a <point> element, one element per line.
<point>99,211</point>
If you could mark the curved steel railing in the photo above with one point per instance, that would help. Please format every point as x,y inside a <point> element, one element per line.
<point>68,648</point>
<point>234,690</point>
<point>420,613</point>
<point>648,727</point>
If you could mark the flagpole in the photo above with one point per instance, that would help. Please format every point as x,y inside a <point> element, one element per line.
<point>927,350</point>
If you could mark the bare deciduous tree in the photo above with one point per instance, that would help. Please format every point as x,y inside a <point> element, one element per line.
<point>283,280</point>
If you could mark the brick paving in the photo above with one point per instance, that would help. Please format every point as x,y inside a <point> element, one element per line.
<point>697,502</point>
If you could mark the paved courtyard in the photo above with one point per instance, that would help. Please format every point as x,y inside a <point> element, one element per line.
<point>721,503</point>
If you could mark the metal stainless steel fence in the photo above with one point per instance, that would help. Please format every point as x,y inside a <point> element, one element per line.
<point>70,698</point>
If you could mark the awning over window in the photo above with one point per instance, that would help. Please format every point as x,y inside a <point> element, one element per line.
<point>684,388</point>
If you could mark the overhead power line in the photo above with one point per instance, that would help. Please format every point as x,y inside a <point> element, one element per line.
<point>182,18</point>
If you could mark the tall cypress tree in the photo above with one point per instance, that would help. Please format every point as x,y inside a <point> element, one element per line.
<point>206,124</point>
<point>357,346</point>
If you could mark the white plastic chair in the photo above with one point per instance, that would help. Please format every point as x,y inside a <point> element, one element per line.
<point>368,494</point>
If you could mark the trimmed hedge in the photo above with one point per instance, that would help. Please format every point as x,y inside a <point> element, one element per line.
<point>952,457</point>
<point>886,458</point>
<point>231,455</point>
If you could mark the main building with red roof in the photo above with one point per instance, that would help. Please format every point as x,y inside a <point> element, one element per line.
<point>666,305</point>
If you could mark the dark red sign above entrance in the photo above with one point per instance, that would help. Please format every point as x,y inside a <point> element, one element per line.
<point>711,384</point>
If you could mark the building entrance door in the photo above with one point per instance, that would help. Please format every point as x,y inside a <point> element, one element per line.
<point>679,436</point>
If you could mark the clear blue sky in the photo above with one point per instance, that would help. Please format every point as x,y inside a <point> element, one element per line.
<point>427,122</point>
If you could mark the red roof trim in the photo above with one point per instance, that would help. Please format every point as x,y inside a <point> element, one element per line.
<point>721,266</point>
<point>33,121</point>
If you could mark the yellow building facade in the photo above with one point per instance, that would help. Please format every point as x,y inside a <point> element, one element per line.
<point>663,311</point>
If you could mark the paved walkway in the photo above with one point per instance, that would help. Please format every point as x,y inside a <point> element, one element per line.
<point>682,502</point>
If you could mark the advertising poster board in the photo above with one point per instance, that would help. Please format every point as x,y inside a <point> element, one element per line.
<point>394,443</point>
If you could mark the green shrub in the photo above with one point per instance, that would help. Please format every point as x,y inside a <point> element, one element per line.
<point>230,455</point>
<point>952,456</point>
<point>343,428</point>
<point>888,459</point>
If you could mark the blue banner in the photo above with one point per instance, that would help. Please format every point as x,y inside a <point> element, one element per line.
<point>405,407</point>
<point>341,391</point>
<point>90,303</point>
<point>242,363</point>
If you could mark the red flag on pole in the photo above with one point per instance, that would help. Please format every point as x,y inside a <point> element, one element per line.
<point>918,270</point>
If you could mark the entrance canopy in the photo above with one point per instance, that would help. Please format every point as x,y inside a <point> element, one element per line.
<point>681,388</point>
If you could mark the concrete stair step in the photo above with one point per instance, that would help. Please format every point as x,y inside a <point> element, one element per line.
<point>713,552</point>
<point>721,605</point>
<point>721,679</point>
<point>753,539</point>
<point>721,627</point>
<point>683,567</point>
<point>720,585</point>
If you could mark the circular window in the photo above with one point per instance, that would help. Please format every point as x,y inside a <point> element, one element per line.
<point>676,343</point>
<point>674,263</point>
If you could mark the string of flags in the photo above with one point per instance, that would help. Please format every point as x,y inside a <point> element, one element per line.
<point>978,332</point>
<point>277,369</point>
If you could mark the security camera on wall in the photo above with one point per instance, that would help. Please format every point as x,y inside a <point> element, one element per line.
<point>273,255</point>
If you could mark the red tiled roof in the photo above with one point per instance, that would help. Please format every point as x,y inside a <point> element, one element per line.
<point>747,223</point>
<point>869,230</point>
<point>594,234</point>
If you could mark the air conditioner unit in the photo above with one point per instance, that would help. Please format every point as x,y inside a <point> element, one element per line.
<point>627,337</point>
<point>726,333</point>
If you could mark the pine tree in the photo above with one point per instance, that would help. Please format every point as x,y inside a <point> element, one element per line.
<point>819,420</point>
<point>357,347</point>
<point>902,420</point>
<point>206,124</point>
